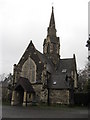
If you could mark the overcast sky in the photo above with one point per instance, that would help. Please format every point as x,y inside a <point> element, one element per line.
<point>25,20</point>
<point>89,17</point>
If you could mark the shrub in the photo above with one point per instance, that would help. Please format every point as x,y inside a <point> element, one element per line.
<point>81,98</point>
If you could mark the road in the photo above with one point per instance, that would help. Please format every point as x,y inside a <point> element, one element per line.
<point>36,112</point>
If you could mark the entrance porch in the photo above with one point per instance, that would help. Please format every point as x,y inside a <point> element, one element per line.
<point>23,92</point>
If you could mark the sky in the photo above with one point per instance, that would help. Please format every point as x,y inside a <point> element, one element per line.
<point>88,17</point>
<point>25,20</point>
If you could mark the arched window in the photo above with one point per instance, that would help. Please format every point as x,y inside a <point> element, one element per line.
<point>29,70</point>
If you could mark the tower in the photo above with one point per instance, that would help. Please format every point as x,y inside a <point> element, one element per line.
<point>51,45</point>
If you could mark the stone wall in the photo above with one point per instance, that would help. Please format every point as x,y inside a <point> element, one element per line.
<point>37,88</point>
<point>41,94</point>
<point>44,95</point>
<point>56,96</point>
<point>59,96</point>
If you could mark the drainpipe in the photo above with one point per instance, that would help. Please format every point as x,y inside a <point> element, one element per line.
<point>48,81</point>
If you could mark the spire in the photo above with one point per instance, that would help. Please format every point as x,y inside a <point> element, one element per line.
<point>52,21</point>
<point>51,28</point>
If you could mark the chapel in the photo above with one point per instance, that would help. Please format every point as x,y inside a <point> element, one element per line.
<point>44,77</point>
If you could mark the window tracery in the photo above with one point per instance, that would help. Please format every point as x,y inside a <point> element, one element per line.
<point>29,70</point>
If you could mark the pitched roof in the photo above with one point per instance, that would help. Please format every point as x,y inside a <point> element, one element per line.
<point>68,64</point>
<point>59,79</point>
<point>45,60</point>
<point>25,84</point>
<point>26,53</point>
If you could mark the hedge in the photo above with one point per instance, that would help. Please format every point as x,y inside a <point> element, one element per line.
<point>81,98</point>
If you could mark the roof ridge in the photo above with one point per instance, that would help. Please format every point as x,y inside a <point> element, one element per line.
<point>66,58</point>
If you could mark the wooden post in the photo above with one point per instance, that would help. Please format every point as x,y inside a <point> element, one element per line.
<point>24,98</point>
<point>13,98</point>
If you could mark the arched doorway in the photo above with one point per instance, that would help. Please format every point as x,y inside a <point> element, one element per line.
<point>20,94</point>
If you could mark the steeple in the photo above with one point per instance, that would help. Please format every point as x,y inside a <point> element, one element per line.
<point>51,28</point>
<point>51,45</point>
<point>52,21</point>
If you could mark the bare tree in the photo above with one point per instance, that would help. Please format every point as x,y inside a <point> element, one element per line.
<point>83,79</point>
<point>2,77</point>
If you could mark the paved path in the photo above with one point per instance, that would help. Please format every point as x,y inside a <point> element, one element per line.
<point>36,112</point>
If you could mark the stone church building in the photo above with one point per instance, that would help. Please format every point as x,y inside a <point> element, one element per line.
<point>44,77</point>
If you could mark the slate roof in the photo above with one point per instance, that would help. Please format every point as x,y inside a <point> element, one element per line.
<point>58,79</point>
<point>26,53</point>
<point>68,64</point>
<point>25,84</point>
<point>44,59</point>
